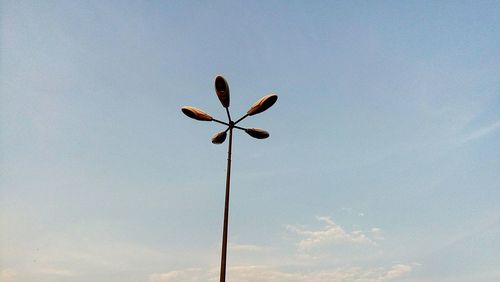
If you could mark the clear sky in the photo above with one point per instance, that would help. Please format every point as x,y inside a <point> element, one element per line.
<point>383,162</point>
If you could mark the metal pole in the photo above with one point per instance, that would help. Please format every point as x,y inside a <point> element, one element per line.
<point>226,208</point>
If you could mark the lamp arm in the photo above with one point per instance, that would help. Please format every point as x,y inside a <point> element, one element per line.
<point>240,128</point>
<point>228,115</point>
<point>221,122</point>
<point>241,118</point>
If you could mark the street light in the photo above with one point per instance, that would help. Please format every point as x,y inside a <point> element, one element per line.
<point>222,91</point>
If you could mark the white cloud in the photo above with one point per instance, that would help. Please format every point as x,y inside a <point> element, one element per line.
<point>377,233</point>
<point>56,272</point>
<point>398,270</point>
<point>165,277</point>
<point>285,268</point>
<point>331,233</point>
<point>77,253</point>
<point>250,273</point>
<point>190,274</point>
<point>169,276</point>
<point>247,248</point>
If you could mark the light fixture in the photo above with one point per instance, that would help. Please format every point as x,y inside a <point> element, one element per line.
<point>222,91</point>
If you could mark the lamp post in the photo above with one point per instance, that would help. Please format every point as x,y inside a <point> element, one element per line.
<point>222,91</point>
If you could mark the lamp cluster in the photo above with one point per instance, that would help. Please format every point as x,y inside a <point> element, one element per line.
<point>222,91</point>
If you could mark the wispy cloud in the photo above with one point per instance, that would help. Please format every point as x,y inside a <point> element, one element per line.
<point>355,274</point>
<point>56,272</point>
<point>481,132</point>
<point>301,268</point>
<point>167,276</point>
<point>247,248</point>
<point>190,274</point>
<point>248,273</point>
<point>332,233</point>
<point>75,254</point>
<point>7,275</point>
<point>397,270</point>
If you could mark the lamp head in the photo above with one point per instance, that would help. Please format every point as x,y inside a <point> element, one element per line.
<point>196,113</point>
<point>263,104</point>
<point>219,138</point>
<point>257,133</point>
<point>222,90</point>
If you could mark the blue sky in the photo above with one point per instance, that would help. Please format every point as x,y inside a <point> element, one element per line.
<point>382,163</point>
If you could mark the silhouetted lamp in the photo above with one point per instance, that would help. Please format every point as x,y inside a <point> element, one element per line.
<point>195,113</point>
<point>263,104</point>
<point>222,91</point>
<point>257,133</point>
<point>219,138</point>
